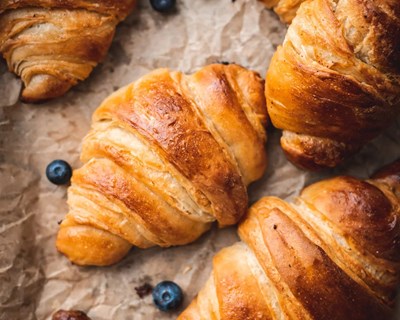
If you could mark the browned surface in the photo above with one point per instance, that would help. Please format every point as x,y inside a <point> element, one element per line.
<point>335,84</point>
<point>140,202</point>
<point>108,7</point>
<point>316,282</point>
<point>179,134</point>
<point>70,315</point>
<point>303,272</point>
<point>52,45</point>
<point>163,161</point>
<point>237,298</point>
<point>361,211</point>
<point>230,293</point>
<point>390,175</point>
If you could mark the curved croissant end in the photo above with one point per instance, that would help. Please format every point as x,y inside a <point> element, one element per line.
<point>285,9</point>
<point>334,84</point>
<point>52,44</point>
<point>166,156</point>
<point>334,253</point>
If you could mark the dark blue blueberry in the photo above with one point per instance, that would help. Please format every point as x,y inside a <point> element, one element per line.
<point>59,172</point>
<point>167,296</point>
<point>163,5</point>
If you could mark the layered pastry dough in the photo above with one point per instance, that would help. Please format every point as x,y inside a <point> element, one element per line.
<point>332,254</point>
<point>166,156</point>
<point>53,44</point>
<point>334,84</point>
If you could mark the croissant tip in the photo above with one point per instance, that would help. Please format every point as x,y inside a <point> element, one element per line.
<point>390,174</point>
<point>42,88</point>
<point>305,161</point>
<point>88,246</point>
<point>316,153</point>
<point>302,161</point>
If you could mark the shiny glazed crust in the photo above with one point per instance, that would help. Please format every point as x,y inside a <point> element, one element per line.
<point>334,84</point>
<point>52,44</point>
<point>332,254</point>
<point>166,156</point>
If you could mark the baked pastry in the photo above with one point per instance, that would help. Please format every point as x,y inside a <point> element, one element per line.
<point>334,84</point>
<point>53,44</point>
<point>69,315</point>
<point>166,156</point>
<point>332,254</point>
<point>286,9</point>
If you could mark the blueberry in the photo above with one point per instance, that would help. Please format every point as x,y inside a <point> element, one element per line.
<point>167,296</point>
<point>163,5</point>
<point>59,172</point>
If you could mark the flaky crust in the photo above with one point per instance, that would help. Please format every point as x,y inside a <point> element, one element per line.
<point>332,254</point>
<point>53,44</point>
<point>166,156</point>
<point>334,84</point>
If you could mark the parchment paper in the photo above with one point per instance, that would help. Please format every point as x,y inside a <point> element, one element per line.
<point>35,280</point>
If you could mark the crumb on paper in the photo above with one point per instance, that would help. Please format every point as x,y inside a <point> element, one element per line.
<point>187,269</point>
<point>144,290</point>
<point>225,63</point>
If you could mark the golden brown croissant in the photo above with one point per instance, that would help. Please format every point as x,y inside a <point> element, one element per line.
<point>166,156</point>
<point>286,9</point>
<point>334,84</point>
<point>332,254</point>
<point>54,44</point>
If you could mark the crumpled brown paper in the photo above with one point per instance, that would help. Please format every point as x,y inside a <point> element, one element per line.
<point>35,280</point>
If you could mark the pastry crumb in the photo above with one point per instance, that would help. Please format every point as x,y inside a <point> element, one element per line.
<point>187,269</point>
<point>144,290</point>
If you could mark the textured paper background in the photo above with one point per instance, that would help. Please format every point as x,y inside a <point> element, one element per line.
<point>35,280</point>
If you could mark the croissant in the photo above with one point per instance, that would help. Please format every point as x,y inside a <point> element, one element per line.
<point>334,84</point>
<point>286,9</point>
<point>54,44</point>
<point>166,156</point>
<point>332,254</point>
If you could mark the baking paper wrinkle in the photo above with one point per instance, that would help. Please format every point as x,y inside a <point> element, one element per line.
<point>35,280</point>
